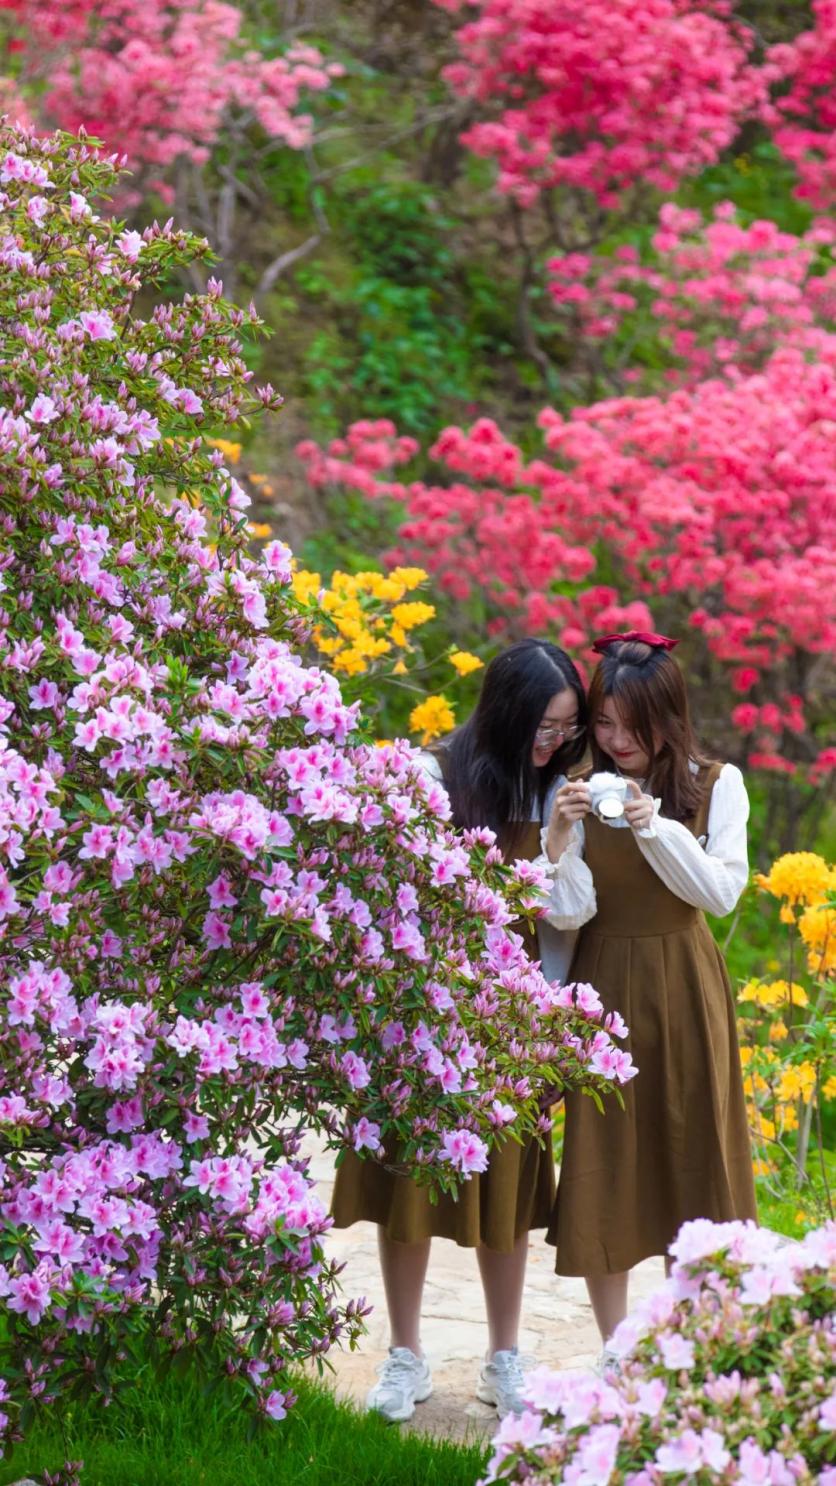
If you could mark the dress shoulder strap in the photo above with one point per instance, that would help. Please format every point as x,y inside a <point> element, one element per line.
<point>708,775</point>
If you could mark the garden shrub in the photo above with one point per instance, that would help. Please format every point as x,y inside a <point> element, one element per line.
<point>227,918</point>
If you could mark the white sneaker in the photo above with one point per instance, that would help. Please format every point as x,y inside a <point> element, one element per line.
<point>608,1364</point>
<point>404,1381</point>
<point>501,1383</point>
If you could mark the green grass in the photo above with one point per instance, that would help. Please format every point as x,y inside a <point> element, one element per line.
<point>168,1434</point>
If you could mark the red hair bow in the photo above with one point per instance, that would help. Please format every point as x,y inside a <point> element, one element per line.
<point>641,637</point>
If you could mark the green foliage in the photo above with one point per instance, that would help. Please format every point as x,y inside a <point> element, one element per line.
<point>758,180</point>
<point>404,337</point>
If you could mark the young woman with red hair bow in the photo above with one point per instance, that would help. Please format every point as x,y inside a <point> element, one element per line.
<point>637,887</point>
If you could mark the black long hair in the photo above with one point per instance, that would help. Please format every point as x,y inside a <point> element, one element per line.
<point>487,764</point>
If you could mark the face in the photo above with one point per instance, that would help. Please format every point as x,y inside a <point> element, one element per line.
<point>557,726</point>
<point>614,737</point>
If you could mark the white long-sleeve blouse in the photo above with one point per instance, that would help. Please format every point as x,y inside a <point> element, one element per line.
<point>709,872</point>
<point>555,940</point>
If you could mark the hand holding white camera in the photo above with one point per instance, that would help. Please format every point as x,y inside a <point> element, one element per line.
<point>571,803</point>
<point>614,798</point>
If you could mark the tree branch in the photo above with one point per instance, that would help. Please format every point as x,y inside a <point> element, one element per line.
<point>274,270</point>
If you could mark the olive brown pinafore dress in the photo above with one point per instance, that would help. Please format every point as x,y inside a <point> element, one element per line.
<point>514,1195</point>
<point>680,1148</point>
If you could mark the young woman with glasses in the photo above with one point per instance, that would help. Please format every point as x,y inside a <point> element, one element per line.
<point>501,769</point>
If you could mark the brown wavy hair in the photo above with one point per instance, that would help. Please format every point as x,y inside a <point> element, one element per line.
<point>648,687</point>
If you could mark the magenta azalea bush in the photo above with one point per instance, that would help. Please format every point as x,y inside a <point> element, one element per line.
<point>226,917</point>
<point>726,1375</point>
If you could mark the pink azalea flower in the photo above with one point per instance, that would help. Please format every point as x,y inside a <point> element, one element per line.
<point>98,325</point>
<point>677,1352</point>
<point>355,1070</point>
<point>464,1150</point>
<point>366,1135</point>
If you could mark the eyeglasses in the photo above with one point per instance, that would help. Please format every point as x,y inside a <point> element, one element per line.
<point>546,734</point>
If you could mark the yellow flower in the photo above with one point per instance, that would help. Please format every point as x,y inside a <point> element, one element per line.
<point>800,877</point>
<point>379,586</point>
<point>463,662</point>
<point>350,627</point>
<point>230,450</point>
<point>305,585</point>
<point>398,635</point>
<point>328,644</point>
<point>817,927</point>
<point>350,662</point>
<point>370,645</point>
<point>777,1031</point>
<point>431,718</point>
<point>259,529</point>
<point>761,1167</point>
<point>408,616</point>
<point>788,1118</point>
<point>764,1127</point>
<point>798,1082</point>
<point>829,1088</point>
<point>773,993</point>
<point>409,577</point>
<point>399,669</point>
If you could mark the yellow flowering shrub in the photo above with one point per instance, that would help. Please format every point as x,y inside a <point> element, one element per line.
<point>364,616</point>
<point>787,1031</point>
<point>799,877</point>
<point>366,626</point>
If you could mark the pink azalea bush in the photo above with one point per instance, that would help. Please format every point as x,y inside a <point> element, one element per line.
<point>574,93</point>
<point>713,506</point>
<point>803,113</point>
<point>726,1375</point>
<point>156,80</point>
<point>720,295</point>
<point>226,918</point>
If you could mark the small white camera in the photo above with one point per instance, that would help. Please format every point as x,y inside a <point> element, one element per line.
<point>608,792</point>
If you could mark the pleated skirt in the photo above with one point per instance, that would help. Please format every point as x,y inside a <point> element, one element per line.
<point>493,1210</point>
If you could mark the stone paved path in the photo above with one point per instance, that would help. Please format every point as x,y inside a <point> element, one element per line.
<point>558,1327</point>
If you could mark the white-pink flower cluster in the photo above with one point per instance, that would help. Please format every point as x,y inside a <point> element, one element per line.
<point>726,1375</point>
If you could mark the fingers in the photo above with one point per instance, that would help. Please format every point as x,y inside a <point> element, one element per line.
<point>638,811</point>
<point>575,790</point>
<point>571,802</point>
